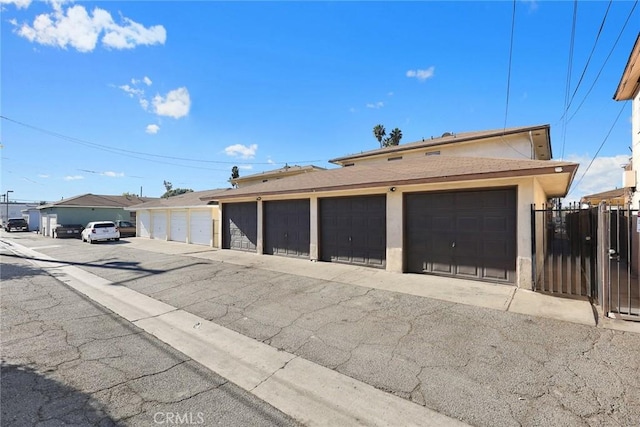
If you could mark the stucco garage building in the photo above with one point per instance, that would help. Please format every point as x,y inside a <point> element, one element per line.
<point>183,218</point>
<point>424,207</point>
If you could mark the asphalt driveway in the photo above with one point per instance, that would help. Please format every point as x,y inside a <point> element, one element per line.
<point>485,367</point>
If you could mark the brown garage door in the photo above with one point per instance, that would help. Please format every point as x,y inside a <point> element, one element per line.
<point>353,230</point>
<point>240,226</point>
<point>286,228</point>
<point>467,234</point>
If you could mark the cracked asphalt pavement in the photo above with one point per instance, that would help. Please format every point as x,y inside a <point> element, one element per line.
<point>69,362</point>
<point>482,366</point>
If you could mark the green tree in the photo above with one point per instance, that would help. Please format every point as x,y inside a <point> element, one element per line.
<point>170,191</point>
<point>235,174</point>
<point>379,132</point>
<point>394,137</point>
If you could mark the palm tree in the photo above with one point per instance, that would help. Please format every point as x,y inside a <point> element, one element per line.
<point>379,132</point>
<point>394,137</point>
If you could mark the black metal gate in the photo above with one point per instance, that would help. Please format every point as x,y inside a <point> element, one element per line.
<point>564,248</point>
<point>591,252</point>
<point>620,263</point>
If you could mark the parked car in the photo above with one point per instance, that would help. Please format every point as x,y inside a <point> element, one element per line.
<point>100,230</point>
<point>68,230</point>
<point>18,224</point>
<point>126,228</point>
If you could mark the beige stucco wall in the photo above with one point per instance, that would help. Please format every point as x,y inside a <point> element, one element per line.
<point>529,191</point>
<point>510,146</point>
<point>635,140</point>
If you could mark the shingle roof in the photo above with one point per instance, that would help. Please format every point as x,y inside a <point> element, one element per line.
<point>429,169</point>
<point>98,201</point>
<point>185,200</point>
<point>281,171</point>
<point>445,139</point>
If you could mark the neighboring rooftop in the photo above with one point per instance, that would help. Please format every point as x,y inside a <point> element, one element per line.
<point>617,197</point>
<point>540,135</point>
<point>411,171</point>
<point>98,201</point>
<point>186,200</point>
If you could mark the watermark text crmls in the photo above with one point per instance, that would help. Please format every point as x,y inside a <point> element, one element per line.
<point>178,418</point>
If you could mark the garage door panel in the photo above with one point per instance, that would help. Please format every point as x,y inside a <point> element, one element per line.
<point>353,230</point>
<point>482,224</point>
<point>178,226</point>
<point>287,228</point>
<point>145,224</point>
<point>200,227</point>
<point>159,220</point>
<point>240,226</point>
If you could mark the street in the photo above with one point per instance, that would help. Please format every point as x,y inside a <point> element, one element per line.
<point>481,366</point>
<point>67,361</point>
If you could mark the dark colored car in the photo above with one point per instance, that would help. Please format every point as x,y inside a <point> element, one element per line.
<point>73,231</point>
<point>18,224</point>
<point>127,228</point>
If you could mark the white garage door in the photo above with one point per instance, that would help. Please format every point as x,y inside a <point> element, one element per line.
<point>53,223</point>
<point>144,224</point>
<point>201,232</point>
<point>159,225</point>
<point>178,226</point>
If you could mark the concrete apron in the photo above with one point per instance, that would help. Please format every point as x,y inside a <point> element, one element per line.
<point>460,291</point>
<point>310,393</point>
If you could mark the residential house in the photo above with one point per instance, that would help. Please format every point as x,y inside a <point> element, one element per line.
<point>86,208</point>
<point>458,205</point>
<point>629,90</point>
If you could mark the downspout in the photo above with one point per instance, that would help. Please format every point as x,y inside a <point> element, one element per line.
<point>532,146</point>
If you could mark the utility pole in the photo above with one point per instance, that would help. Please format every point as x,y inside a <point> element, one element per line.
<point>7,200</point>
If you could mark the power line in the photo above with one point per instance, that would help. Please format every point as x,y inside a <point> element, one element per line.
<point>605,61</point>
<point>513,25</point>
<point>600,148</point>
<point>569,67</point>
<point>586,65</point>
<point>129,152</point>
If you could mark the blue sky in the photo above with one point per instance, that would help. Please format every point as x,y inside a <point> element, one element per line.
<point>114,97</point>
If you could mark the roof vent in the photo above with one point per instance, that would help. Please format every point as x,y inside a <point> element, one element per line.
<point>447,134</point>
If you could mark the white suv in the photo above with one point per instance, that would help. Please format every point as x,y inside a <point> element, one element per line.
<point>100,230</point>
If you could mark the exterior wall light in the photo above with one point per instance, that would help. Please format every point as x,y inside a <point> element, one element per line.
<point>392,189</point>
<point>558,169</point>
<point>259,198</point>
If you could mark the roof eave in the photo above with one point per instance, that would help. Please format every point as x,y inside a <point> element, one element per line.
<point>497,133</point>
<point>415,181</point>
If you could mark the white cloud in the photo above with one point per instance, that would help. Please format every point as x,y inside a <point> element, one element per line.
<point>604,174</point>
<point>245,167</point>
<point>147,81</point>
<point>131,90</point>
<point>113,174</point>
<point>242,151</point>
<point>176,104</point>
<point>42,175</point>
<point>270,161</point>
<point>144,104</point>
<point>376,105</point>
<point>73,177</point>
<point>152,129</point>
<point>421,75</point>
<point>20,4</point>
<point>80,30</point>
